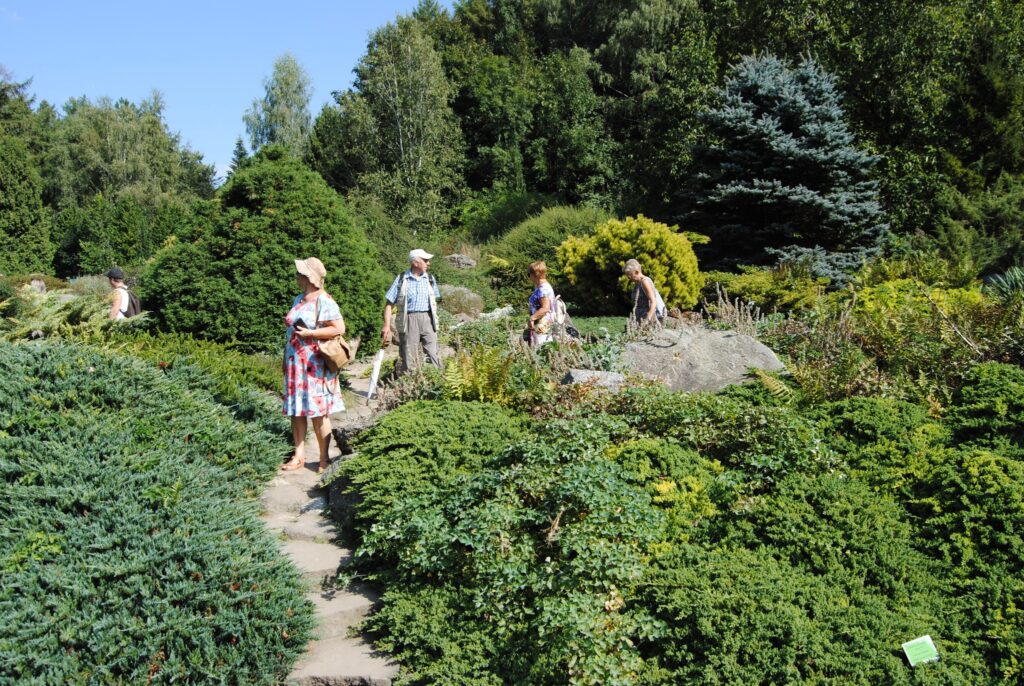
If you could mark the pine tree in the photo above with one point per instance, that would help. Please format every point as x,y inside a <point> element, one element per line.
<point>784,177</point>
<point>238,156</point>
<point>24,227</point>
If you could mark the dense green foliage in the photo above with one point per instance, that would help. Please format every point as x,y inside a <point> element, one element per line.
<point>281,116</point>
<point>24,229</point>
<point>692,539</point>
<point>537,238</point>
<point>783,171</point>
<point>235,281</point>
<point>130,551</point>
<point>592,265</point>
<point>112,179</point>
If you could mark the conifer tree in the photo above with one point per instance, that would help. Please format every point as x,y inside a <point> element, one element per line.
<point>784,177</point>
<point>24,227</point>
<point>238,156</point>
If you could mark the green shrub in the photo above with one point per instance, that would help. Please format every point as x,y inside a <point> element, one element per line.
<point>492,213</point>
<point>422,447</point>
<point>537,238</point>
<point>989,409</point>
<point>686,486</point>
<point>600,327</point>
<point>392,240</point>
<point>52,283</point>
<point>781,288</point>
<point>25,237</point>
<point>10,301</point>
<point>760,444</point>
<point>592,265</point>
<point>890,443</point>
<point>740,616</point>
<point>236,281</point>
<point>973,510</point>
<point>249,385</point>
<point>131,551</point>
<point>909,328</point>
<point>536,554</point>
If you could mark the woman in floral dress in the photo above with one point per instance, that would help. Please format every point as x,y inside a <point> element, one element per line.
<point>310,388</point>
<point>541,300</point>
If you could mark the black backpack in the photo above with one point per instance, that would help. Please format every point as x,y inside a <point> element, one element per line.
<point>134,306</point>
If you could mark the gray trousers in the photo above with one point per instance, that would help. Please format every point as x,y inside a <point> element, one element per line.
<point>419,334</point>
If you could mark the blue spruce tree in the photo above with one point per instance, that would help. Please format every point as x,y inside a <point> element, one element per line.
<point>784,179</point>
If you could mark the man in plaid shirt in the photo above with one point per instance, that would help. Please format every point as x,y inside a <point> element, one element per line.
<point>413,298</point>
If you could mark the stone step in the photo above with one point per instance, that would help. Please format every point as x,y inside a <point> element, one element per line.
<point>310,525</point>
<point>316,560</point>
<point>342,661</point>
<point>338,612</point>
<point>285,493</point>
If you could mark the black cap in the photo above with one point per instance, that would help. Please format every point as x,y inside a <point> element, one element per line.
<point>116,273</point>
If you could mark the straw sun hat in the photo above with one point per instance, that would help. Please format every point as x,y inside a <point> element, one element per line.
<point>313,269</point>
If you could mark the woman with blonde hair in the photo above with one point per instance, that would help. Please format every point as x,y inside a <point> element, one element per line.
<point>648,307</point>
<point>541,301</point>
<point>310,388</point>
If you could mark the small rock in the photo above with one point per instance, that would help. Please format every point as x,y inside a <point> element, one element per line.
<point>460,261</point>
<point>610,380</point>
<point>499,313</point>
<point>38,285</point>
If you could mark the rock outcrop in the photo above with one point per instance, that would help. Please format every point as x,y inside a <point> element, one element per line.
<point>693,358</point>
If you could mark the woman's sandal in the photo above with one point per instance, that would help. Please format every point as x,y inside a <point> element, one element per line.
<point>293,464</point>
<point>322,467</point>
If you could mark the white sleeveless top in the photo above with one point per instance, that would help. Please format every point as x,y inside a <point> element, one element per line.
<point>123,302</point>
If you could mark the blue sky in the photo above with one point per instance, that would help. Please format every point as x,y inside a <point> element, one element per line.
<point>208,59</point>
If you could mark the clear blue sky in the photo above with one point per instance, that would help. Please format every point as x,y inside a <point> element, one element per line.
<point>208,59</point>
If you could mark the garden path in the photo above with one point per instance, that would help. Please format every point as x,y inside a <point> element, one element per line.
<point>293,506</point>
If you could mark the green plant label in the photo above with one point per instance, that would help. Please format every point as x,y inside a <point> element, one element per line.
<point>920,650</point>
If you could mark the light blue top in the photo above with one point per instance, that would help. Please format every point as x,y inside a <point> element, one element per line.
<point>417,291</point>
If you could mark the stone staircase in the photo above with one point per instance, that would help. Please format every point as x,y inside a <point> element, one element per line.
<point>293,507</point>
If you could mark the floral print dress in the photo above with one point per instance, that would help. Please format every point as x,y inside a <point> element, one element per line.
<point>310,388</point>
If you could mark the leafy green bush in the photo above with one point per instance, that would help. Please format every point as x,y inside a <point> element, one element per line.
<point>536,556</point>
<point>131,552</point>
<point>236,281</point>
<point>600,327</point>
<point>492,213</point>
<point>760,444</point>
<point>9,300</point>
<point>781,288</point>
<point>422,447</point>
<point>537,238</point>
<point>918,331</point>
<point>989,409</point>
<point>739,616</point>
<point>592,265</point>
<point>890,443</point>
<point>249,385</point>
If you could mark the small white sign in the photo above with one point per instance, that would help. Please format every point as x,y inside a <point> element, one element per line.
<point>920,650</point>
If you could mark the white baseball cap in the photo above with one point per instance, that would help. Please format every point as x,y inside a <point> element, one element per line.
<point>419,253</point>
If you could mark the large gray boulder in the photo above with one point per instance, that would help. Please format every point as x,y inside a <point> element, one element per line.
<point>692,358</point>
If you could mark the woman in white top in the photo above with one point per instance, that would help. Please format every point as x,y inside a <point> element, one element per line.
<point>648,307</point>
<point>119,307</point>
<point>541,299</point>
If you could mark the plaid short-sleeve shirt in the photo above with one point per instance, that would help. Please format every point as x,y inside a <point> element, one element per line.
<point>417,291</point>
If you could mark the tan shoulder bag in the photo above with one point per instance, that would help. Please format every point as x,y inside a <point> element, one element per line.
<point>337,353</point>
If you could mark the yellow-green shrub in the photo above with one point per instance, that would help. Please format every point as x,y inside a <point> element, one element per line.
<point>592,265</point>
<point>780,288</point>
